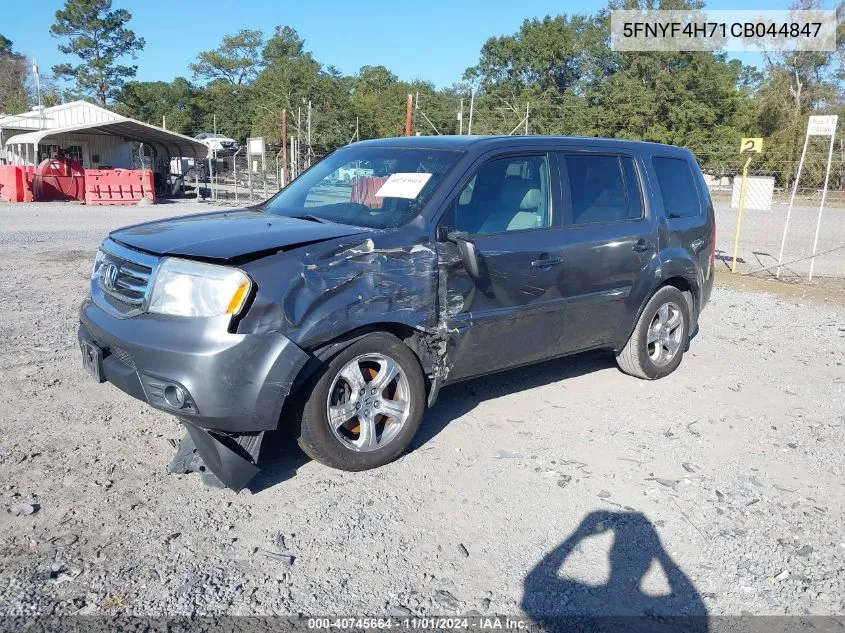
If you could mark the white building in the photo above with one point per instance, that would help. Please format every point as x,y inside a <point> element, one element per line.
<point>91,135</point>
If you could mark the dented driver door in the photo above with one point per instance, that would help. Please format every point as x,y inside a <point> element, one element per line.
<point>510,314</point>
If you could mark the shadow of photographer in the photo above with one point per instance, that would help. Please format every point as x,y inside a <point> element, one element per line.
<point>558,603</point>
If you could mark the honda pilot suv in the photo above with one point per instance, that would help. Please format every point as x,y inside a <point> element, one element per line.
<point>339,308</point>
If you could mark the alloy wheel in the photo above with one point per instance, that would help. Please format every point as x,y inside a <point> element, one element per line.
<point>664,334</point>
<point>369,402</point>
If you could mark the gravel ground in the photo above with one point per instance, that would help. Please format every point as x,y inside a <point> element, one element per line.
<point>567,487</point>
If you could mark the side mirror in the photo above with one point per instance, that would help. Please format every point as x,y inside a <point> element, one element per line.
<point>469,256</point>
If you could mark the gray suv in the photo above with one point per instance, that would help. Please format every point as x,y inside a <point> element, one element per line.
<point>340,307</point>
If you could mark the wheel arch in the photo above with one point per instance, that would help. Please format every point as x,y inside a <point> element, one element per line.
<point>327,350</point>
<point>689,289</point>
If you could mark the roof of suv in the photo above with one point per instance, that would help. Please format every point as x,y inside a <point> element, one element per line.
<point>467,142</point>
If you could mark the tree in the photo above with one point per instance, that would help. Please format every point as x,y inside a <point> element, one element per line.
<point>550,63</point>
<point>290,78</point>
<point>151,101</point>
<point>13,72</point>
<point>98,36</point>
<point>797,84</point>
<point>231,103</point>
<point>235,61</point>
<point>5,45</point>
<point>378,97</point>
<point>285,44</point>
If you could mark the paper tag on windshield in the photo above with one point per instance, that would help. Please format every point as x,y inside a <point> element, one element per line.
<point>403,186</point>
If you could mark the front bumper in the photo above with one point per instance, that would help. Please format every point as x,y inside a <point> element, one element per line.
<point>236,383</point>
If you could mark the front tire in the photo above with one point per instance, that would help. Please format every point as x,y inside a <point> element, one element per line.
<point>364,408</point>
<point>657,344</point>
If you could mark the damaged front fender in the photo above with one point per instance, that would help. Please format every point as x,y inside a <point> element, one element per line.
<point>316,294</point>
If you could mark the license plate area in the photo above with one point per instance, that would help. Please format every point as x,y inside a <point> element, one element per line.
<point>92,360</point>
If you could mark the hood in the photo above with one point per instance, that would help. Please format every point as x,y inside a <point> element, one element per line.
<point>227,234</point>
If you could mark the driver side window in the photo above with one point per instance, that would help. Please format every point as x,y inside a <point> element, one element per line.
<point>506,194</point>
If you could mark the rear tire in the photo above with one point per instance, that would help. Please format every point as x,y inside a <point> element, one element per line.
<point>657,344</point>
<point>364,407</point>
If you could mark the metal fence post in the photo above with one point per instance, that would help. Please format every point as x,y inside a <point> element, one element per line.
<point>264,170</point>
<point>235,172</point>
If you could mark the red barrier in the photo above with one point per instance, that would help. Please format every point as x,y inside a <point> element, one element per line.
<point>118,186</point>
<point>58,179</point>
<point>16,183</point>
<point>364,190</point>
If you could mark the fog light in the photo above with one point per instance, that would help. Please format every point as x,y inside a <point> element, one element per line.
<point>174,395</point>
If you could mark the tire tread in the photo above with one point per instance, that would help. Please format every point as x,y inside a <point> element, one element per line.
<point>309,418</point>
<point>630,358</point>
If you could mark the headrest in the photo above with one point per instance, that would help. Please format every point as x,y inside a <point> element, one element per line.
<point>518,193</point>
<point>532,200</point>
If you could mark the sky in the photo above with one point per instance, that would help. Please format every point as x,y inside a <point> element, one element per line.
<point>435,40</point>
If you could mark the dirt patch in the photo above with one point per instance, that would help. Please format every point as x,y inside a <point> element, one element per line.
<point>825,290</point>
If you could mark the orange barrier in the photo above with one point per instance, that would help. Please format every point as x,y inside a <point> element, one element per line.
<point>16,183</point>
<point>118,186</point>
<point>364,190</point>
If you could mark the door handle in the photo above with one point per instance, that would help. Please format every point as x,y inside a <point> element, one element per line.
<point>546,261</point>
<point>642,246</point>
<point>697,245</point>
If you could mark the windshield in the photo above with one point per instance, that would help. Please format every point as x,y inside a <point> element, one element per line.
<point>376,187</point>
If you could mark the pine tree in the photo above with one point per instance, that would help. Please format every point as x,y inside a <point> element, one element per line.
<point>98,36</point>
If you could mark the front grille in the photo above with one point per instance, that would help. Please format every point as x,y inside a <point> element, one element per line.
<point>123,277</point>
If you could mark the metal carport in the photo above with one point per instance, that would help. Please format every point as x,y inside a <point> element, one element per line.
<point>165,142</point>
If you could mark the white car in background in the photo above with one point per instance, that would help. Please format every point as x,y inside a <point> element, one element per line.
<point>218,143</point>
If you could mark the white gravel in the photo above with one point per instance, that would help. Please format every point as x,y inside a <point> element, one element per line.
<point>723,482</point>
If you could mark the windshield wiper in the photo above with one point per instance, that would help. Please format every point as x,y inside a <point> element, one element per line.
<point>313,218</point>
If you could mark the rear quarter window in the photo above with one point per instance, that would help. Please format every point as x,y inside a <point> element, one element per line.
<point>678,188</point>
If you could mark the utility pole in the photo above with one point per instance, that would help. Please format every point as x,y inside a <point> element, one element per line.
<point>308,138</point>
<point>164,121</point>
<point>461,118</point>
<point>416,110</point>
<point>526,117</point>
<point>38,91</point>
<point>471,104</point>
<point>284,147</point>
<point>408,105</point>
<point>215,124</point>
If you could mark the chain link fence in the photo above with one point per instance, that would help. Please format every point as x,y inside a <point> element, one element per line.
<point>242,179</point>
<point>807,241</point>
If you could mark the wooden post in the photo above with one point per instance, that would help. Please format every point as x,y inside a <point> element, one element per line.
<point>409,104</point>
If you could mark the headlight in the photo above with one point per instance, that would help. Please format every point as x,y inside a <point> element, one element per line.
<point>187,288</point>
<point>98,259</point>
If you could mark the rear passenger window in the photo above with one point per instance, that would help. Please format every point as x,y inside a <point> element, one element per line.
<point>602,188</point>
<point>677,187</point>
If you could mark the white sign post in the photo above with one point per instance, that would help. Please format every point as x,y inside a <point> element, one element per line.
<point>816,126</point>
<point>255,147</point>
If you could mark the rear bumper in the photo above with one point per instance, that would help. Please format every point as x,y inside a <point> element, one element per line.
<point>236,383</point>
